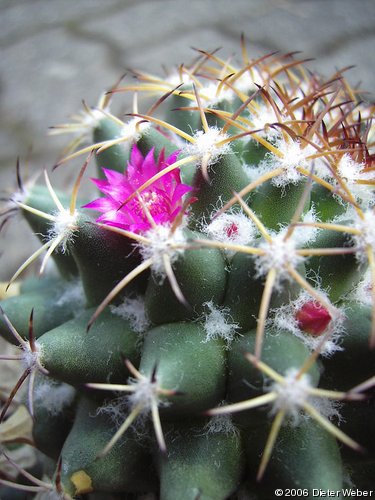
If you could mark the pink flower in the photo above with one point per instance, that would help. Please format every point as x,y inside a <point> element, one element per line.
<point>163,198</point>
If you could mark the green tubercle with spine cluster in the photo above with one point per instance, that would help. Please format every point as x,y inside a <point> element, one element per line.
<point>208,329</point>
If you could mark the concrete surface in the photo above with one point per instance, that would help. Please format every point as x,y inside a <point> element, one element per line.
<point>54,53</point>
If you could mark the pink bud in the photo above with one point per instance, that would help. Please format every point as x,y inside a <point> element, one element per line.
<point>231,230</point>
<point>313,318</point>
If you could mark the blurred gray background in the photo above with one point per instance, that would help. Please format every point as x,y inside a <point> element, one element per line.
<point>54,53</point>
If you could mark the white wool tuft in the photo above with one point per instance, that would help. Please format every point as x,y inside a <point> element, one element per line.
<point>116,409</point>
<point>205,145</point>
<point>90,120</point>
<point>17,197</point>
<point>213,94</point>
<point>292,393</point>
<point>145,394</point>
<point>31,359</point>
<point>73,293</point>
<point>85,121</point>
<point>253,172</point>
<point>279,253</point>
<point>133,310</point>
<point>162,243</point>
<point>65,226</point>
<point>218,324</point>
<point>293,156</point>
<point>327,407</point>
<point>220,424</point>
<point>246,81</point>
<point>262,119</point>
<point>133,129</point>
<point>302,235</point>
<point>322,169</point>
<point>367,237</point>
<point>349,169</point>
<point>231,227</point>
<point>176,78</point>
<point>54,397</point>
<point>362,292</point>
<point>353,173</point>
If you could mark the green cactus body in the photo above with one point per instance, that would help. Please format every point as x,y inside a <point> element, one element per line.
<point>122,469</point>
<point>281,351</point>
<point>54,412</point>
<point>354,349</point>
<point>202,277</point>
<point>350,270</point>
<point>73,355</point>
<point>116,156</point>
<point>53,305</point>
<point>227,176</point>
<point>278,203</point>
<point>252,153</point>
<point>153,138</point>
<point>200,465</point>
<point>176,349</point>
<point>243,282</point>
<point>320,467</point>
<point>210,318</point>
<point>327,207</point>
<point>99,274</point>
<point>178,118</point>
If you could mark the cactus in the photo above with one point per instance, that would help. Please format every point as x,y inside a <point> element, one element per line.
<point>207,330</point>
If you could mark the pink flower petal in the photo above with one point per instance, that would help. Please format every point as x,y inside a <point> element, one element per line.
<point>136,158</point>
<point>112,176</point>
<point>163,198</point>
<point>101,205</point>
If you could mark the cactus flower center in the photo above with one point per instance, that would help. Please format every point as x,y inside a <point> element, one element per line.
<point>162,200</point>
<point>312,318</point>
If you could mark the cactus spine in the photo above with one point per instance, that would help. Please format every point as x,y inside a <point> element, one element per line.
<point>211,315</point>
